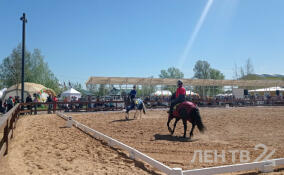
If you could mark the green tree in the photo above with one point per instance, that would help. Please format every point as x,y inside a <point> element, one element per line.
<point>147,90</point>
<point>36,70</point>
<point>171,72</point>
<point>215,75</point>
<point>249,67</point>
<point>93,88</point>
<point>77,86</point>
<point>245,71</point>
<point>203,70</point>
<point>102,90</point>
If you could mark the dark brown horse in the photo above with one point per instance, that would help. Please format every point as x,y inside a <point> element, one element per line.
<point>187,111</point>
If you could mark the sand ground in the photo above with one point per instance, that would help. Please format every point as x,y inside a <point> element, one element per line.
<point>43,146</point>
<point>227,129</point>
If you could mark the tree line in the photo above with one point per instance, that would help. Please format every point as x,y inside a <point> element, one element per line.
<point>37,71</point>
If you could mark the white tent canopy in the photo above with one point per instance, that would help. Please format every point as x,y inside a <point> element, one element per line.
<point>271,89</point>
<point>162,93</point>
<point>2,92</point>
<point>190,93</point>
<point>71,93</point>
<point>224,95</point>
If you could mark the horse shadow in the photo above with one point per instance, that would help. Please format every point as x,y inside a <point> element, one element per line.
<point>173,138</point>
<point>122,120</point>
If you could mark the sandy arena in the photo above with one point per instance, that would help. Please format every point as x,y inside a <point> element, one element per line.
<point>43,146</point>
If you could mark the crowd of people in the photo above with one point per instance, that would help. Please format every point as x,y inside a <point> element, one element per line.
<point>151,101</point>
<point>8,104</point>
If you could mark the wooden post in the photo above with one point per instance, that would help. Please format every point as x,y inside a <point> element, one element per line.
<point>6,139</point>
<point>31,112</point>
<point>35,112</point>
<point>54,107</point>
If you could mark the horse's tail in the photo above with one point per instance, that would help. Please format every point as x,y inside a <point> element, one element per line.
<point>198,120</point>
<point>144,108</point>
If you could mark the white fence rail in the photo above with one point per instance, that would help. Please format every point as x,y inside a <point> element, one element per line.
<point>264,166</point>
<point>112,142</point>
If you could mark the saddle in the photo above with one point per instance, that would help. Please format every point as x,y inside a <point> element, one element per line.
<point>175,110</point>
<point>175,107</point>
<point>186,104</point>
<point>138,101</point>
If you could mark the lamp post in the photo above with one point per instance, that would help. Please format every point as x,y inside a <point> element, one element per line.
<point>23,18</point>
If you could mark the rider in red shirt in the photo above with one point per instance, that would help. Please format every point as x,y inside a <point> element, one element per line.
<point>179,96</point>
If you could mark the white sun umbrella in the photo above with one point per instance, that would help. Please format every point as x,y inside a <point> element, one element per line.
<point>163,93</point>
<point>190,93</point>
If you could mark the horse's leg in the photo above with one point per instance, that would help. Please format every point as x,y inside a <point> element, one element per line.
<point>177,119</point>
<point>127,112</point>
<point>184,126</point>
<point>168,124</point>
<point>135,113</point>
<point>126,115</point>
<point>191,132</point>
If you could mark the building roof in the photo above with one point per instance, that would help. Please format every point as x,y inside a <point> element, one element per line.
<point>186,82</point>
<point>269,89</point>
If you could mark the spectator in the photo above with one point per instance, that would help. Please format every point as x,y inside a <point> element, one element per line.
<point>17,99</point>
<point>49,99</point>
<point>54,100</point>
<point>29,100</point>
<point>65,104</point>
<point>10,103</point>
<point>89,102</point>
<point>35,100</point>
<point>2,109</point>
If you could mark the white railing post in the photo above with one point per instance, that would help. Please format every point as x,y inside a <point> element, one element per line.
<point>176,171</point>
<point>110,143</point>
<point>268,167</point>
<point>132,155</point>
<point>69,122</point>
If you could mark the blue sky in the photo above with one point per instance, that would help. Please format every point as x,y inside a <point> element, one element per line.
<point>138,38</point>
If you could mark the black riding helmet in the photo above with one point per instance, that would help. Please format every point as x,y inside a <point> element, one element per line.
<point>179,83</point>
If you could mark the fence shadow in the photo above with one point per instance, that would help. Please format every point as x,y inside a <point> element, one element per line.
<point>173,138</point>
<point>122,120</point>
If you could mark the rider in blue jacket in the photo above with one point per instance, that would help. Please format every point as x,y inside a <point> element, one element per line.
<point>132,94</point>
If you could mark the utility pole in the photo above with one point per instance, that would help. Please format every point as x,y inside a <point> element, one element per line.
<point>23,18</point>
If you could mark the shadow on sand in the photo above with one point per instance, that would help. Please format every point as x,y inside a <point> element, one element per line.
<point>173,138</point>
<point>122,120</point>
